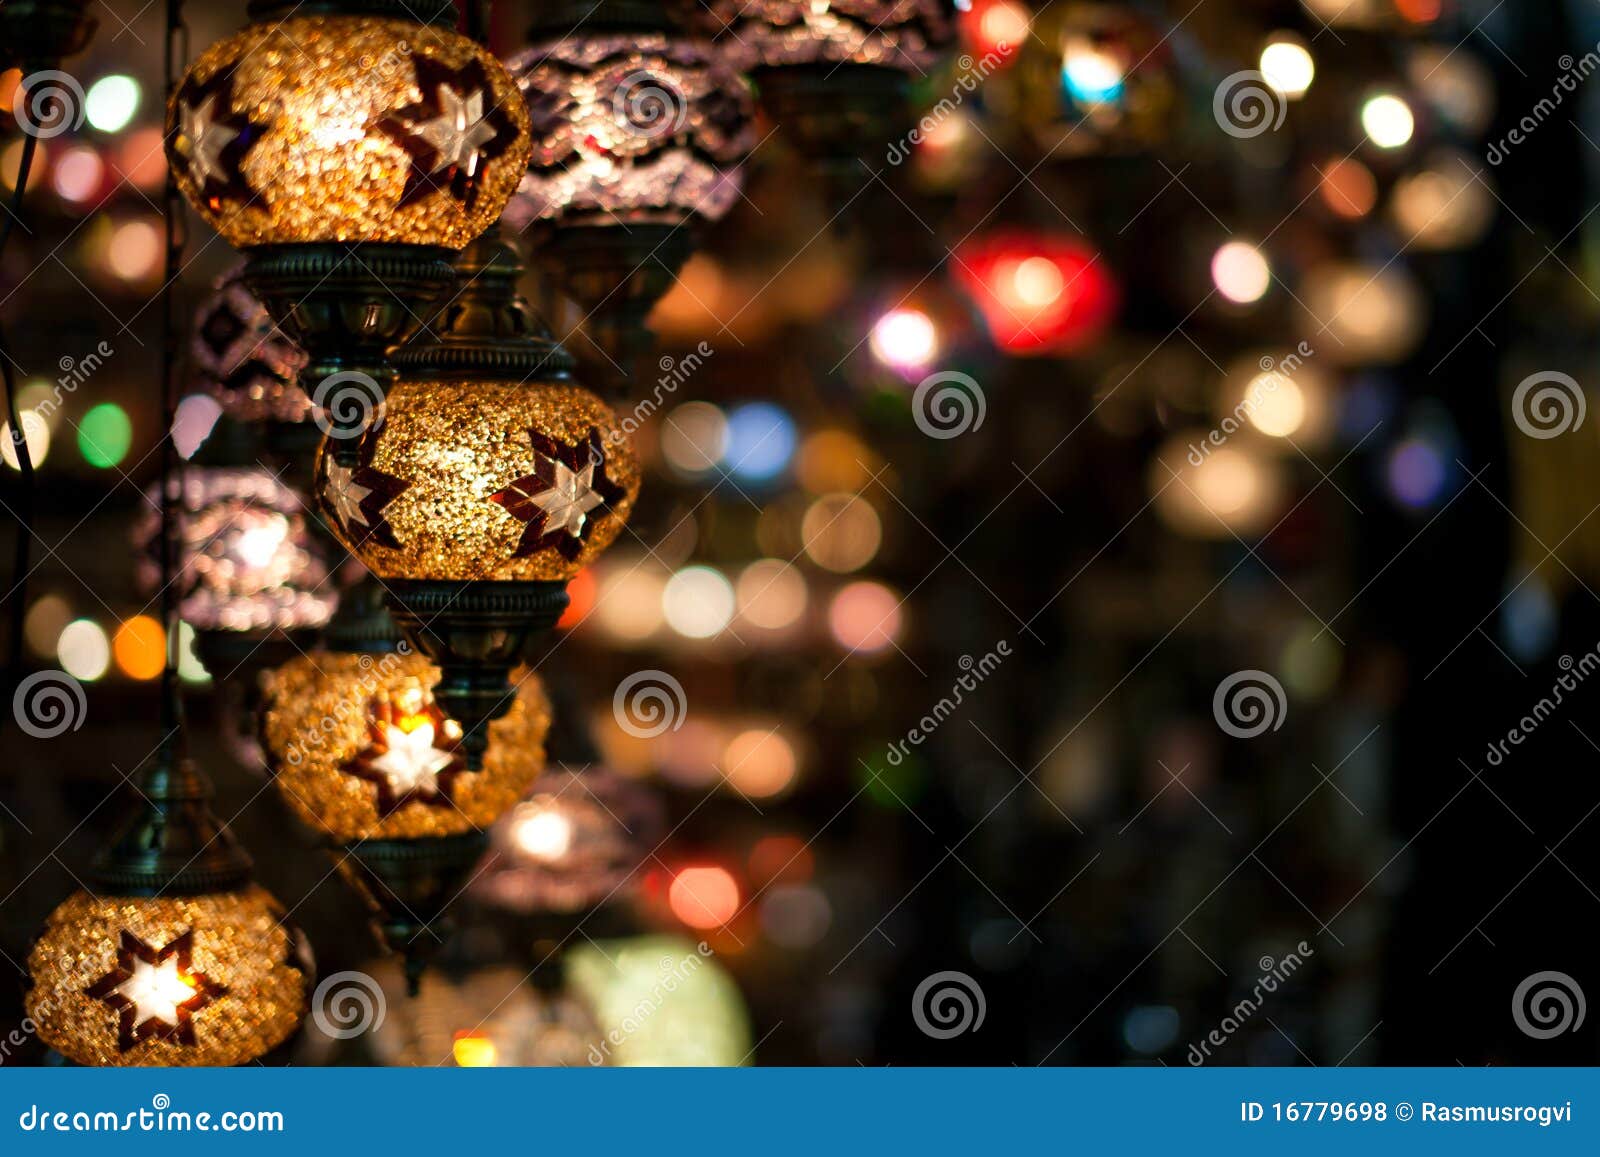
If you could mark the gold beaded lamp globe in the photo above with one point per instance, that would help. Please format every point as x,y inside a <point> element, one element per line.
<point>212,979</point>
<point>359,749</point>
<point>347,128</point>
<point>482,481</point>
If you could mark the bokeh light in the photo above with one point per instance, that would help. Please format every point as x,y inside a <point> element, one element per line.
<point>46,619</point>
<point>694,436</point>
<point>140,647</point>
<point>37,432</point>
<point>698,602</point>
<point>905,339</point>
<point>78,174</point>
<point>628,604</point>
<point>704,897</point>
<point>771,594</point>
<point>841,532</point>
<point>865,617</point>
<point>761,440</point>
<point>83,650</point>
<point>192,422</point>
<point>1287,65</point>
<point>134,251</point>
<point>759,763</point>
<point>1240,272</point>
<point>1348,188</point>
<point>104,435</point>
<point>111,102</point>
<point>1387,120</point>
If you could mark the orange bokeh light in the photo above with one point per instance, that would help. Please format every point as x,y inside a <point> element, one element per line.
<point>140,647</point>
<point>704,897</point>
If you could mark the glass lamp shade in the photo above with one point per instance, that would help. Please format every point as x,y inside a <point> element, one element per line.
<point>246,558</point>
<point>216,979</point>
<point>489,1017</point>
<point>900,34</point>
<point>360,751</point>
<point>576,840</point>
<point>347,129</point>
<point>627,125</point>
<point>475,481</point>
<point>243,360</point>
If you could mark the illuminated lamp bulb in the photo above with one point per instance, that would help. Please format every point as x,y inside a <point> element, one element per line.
<point>348,152</point>
<point>361,753</point>
<point>492,480</point>
<point>833,77</point>
<point>704,1024</point>
<point>1038,293</point>
<point>217,978</point>
<point>1092,74</point>
<point>905,340</point>
<point>640,132</point>
<point>578,838</point>
<point>252,578</point>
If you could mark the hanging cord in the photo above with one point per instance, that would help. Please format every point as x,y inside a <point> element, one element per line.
<point>17,593</point>
<point>176,53</point>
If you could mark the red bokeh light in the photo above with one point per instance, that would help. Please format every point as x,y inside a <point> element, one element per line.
<point>1038,293</point>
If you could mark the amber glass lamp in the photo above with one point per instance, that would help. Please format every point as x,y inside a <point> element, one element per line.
<point>492,480</point>
<point>362,754</point>
<point>639,134</point>
<point>348,148</point>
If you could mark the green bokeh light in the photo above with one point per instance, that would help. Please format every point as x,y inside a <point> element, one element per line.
<point>104,435</point>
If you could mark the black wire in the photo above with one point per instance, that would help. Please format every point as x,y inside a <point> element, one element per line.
<point>17,594</point>
<point>172,218</point>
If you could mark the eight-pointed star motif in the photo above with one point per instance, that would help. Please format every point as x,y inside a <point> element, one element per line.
<point>212,139</point>
<point>559,500</point>
<point>412,753</point>
<point>155,991</point>
<point>356,497</point>
<point>452,133</point>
